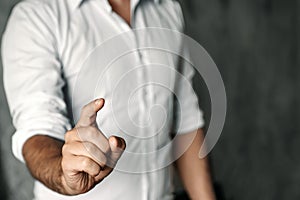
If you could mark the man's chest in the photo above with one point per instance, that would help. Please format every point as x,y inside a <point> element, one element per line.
<point>92,25</point>
<point>103,57</point>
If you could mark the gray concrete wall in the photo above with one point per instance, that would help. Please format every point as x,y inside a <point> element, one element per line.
<point>255,44</point>
<point>15,181</point>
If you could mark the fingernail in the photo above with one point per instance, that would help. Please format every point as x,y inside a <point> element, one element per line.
<point>98,102</point>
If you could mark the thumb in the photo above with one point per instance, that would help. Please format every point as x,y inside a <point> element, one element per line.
<point>117,146</point>
<point>88,113</point>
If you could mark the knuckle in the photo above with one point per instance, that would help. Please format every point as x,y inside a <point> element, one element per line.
<point>65,149</point>
<point>68,135</point>
<point>86,163</point>
<point>65,165</point>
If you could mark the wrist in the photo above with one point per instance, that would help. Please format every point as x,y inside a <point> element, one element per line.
<point>64,188</point>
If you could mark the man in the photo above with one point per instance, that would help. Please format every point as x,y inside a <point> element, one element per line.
<point>44,48</point>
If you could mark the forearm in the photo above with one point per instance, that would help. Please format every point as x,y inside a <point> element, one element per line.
<point>79,163</point>
<point>193,171</point>
<point>43,159</point>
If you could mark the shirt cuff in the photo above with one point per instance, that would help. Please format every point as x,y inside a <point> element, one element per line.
<point>21,136</point>
<point>190,123</point>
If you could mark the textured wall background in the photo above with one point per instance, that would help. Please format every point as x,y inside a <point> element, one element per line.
<point>255,44</point>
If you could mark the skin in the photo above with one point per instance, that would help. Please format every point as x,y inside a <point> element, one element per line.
<point>194,172</point>
<point>69,168</point>
<point>122,8</point>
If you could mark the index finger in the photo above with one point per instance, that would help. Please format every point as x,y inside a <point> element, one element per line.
<point>89,113</point>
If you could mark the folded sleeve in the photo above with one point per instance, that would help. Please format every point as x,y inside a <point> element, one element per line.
<point>188,115</point>
<point>33,75</point>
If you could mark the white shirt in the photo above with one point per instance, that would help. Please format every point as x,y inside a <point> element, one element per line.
<point>46,46</point>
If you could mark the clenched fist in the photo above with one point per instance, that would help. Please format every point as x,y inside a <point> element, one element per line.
<point>87,155</point>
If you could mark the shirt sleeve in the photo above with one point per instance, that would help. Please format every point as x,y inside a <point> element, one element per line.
<point>32,75</point>
<point>188,115</point>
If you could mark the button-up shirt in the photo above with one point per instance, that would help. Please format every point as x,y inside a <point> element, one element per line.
<point>51,52</point>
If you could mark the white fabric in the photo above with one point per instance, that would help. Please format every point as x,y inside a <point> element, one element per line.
<point>44,46</point>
